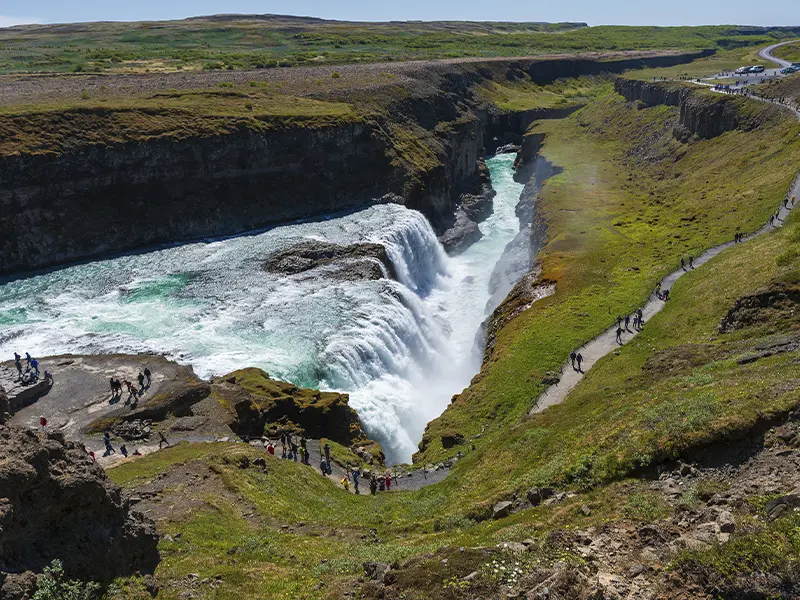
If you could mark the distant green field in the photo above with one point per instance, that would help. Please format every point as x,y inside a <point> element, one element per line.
<point>789,52</point>
<point>266,42</point>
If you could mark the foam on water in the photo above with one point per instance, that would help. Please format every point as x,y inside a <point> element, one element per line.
<point>400,348</point>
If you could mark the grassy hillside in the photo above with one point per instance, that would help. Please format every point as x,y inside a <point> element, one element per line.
<point>789,52</point>
<point>252,42</point>
<point>631,202</point>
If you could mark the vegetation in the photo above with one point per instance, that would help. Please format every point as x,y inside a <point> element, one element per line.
<point>53,585</point>
<point>252,42</point>
<point>790,52</point>
<point>728,60</point>
<point>630,202</point>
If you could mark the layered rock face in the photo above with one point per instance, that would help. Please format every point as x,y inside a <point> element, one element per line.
<point>702,113</point>
<point>97,199</point>
<point>57,503</point>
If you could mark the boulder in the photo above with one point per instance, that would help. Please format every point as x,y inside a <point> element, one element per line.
<point>354,262</point>
<point>56,502</point>
<point>502,509</point>
<point>534,496</point>
<point>726,522</point>
<point>461,235</point>
<point>780,506</point>
<point>375,571</point>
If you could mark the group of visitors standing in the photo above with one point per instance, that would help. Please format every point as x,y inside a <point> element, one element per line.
<point>144,378</point>
<point>31,372</point>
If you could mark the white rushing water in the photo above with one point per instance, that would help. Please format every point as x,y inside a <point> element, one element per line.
<point>401,348</point>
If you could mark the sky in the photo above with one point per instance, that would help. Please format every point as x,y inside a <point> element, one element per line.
<point>594,12</point>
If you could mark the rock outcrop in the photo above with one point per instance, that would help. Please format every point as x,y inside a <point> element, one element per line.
<point>777,301</point>
<point>354,262</point>
<point>259,405</point>
<point>57,503</point>
<point>702,112</point>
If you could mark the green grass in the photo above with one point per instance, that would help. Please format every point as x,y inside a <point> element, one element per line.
<point>251,43</point>
<point>521,96</point>
<point>706,67</point>
<point>790,52</point>
<point>629,204</point>
<point>50,128</point>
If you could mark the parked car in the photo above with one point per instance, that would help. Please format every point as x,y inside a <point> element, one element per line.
<point>742,70</point>
<point>790,70</point>
<point>757,69</point>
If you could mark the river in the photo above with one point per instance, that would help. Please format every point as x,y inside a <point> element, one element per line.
<point>401,348</point>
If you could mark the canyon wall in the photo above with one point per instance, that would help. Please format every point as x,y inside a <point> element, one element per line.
<point>91,200</point>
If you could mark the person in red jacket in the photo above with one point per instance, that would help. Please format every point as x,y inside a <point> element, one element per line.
<point>388,482</point>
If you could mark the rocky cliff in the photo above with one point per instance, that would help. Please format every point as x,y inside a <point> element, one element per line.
<point>57,503</point>
<point>420,139</point>
<point>702,112</point>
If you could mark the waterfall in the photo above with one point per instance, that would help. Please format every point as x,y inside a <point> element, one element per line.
<point>400,348</point>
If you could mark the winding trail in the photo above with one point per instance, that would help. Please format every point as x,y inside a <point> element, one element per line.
<point>766,53</point>
<point>606,342</point>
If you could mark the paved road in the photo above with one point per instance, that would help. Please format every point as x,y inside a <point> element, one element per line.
<point>766,53</point>
<point>606,342</point>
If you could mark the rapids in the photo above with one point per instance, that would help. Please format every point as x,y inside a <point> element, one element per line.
<point>400,348</point>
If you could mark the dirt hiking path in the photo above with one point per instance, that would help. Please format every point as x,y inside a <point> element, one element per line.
<point>606,342</point>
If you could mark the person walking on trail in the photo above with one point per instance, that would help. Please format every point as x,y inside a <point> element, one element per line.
<point>43,423</point>
<point>388,480</point>
<point>107,441</point>
<point>323,467</point>
<point>148,376</point>
<point>579,360</point>
<point>18,364</point>
<point>304,451</point>
<point>327,448</point>
<point>619,320</point>
<point>381,484</point>
<point>373,485</point>
<point>772,219</point>
<point>619,335</point>
<point>356,477</point>
<point>124,450</point>
<point>572,357</point>
<point>28,358</point>
<point>162,440</point>
<point>691,262</point>
<point>683,264</point>
<point>293,447</point>
<point>141,382</point>
<point>627,322</point>
<point>346,484</point>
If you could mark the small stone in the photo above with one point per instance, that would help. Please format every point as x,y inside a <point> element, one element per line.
<point>586,510</point>
<point>636,570</point>
<point>502,509</point>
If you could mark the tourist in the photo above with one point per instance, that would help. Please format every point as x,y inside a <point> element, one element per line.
<point>28,358</point>
<point>323,467</point>
<point>627,322</point>
<point>579,360</point>
<point>123,450</point>
<point>91,454</point>
<point>18,364</point>
<point>293,448</point>
<point>304,448</point>
<point>107,442</point>
<point>572,356</point>
<point>270,448</point>
<point>148,376</point>
<point>43,423</point>
<point>373,485</point>
<point>137,452</point>
<point>619,335</point>
<point>113,386</point>
<point>162,440</point>
<point>388,479</point>
<point>131,391</point>
<point>666,295</point>
<point>683,264</point>
<point>356,477</point>
<point>691,262</point>
<point>48,377</point>
<point>140,377</point>
<point>327,449</point>
<point>346,484</point>
<point>381,484</point>
<point>35,367</point>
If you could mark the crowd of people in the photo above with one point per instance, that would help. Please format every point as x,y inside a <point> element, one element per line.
<point>144,378</point>
<point>295,447</point>
<point>30,374</point>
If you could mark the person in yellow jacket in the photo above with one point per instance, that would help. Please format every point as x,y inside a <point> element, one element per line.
<point>346,483</point>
